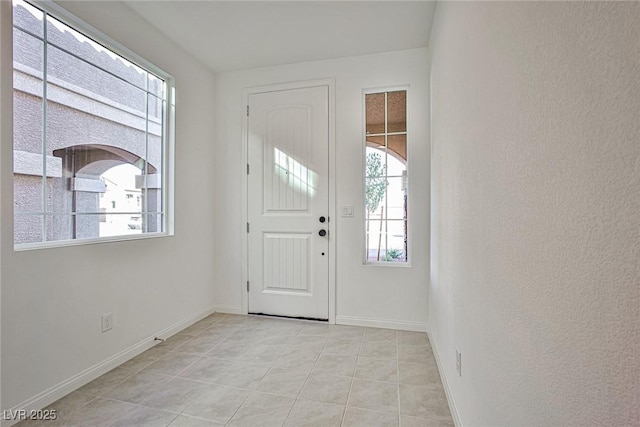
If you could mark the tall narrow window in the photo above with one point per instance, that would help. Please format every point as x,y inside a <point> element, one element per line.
<point>90,133</point>
<point>386,177</point>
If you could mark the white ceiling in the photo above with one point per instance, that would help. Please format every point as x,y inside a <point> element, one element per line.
<point>235,35</point>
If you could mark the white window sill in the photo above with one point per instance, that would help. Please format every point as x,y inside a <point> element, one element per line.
<point>387,264</point>
<point>80,242</point>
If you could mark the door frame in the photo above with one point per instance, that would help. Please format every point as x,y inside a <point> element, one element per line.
<point>330,84</point>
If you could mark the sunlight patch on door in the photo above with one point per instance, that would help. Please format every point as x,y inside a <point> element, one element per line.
<point>289,183</point>
<point>294,174</point>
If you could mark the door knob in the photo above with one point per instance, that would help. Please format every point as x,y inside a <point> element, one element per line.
<point>322,232</point>
<point>322,219</point>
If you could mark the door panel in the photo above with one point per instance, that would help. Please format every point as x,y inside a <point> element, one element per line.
<point>286,262</point>
<point>288,147</point>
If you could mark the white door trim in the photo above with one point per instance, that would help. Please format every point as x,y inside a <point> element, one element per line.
<point>330,84</point>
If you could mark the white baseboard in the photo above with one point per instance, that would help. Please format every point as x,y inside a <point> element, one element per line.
<point>445,385</point>
<point>229,309</point>
<point>402,325</point>
<point>47,397</point>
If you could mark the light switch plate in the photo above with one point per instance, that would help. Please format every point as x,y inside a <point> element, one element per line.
<point>347,211</point>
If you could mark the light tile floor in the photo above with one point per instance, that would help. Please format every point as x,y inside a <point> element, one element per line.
<point>259,371</point>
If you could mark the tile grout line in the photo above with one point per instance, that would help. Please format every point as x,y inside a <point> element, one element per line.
<point>267,373</point>
<point>346,405</point>
<point>249,395</point>
<point>251,391</point>
<point>297,398</point>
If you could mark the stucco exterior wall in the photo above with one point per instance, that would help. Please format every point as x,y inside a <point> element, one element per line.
<point>94,121</point>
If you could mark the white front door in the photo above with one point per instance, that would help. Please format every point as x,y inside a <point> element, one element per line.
<point>288,203</point>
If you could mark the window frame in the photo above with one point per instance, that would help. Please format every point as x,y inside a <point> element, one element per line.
<point>168,142</point>
<point>363,157</point>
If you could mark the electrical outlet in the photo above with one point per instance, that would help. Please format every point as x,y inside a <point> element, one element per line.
<point>107,322</point>
<point>459,362</point>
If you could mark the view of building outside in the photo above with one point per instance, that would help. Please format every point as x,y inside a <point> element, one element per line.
<point>88,136</point>
<point>119,200</point>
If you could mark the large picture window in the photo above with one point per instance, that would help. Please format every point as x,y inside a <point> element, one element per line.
<point>386,177</point>
<point>90,134</point>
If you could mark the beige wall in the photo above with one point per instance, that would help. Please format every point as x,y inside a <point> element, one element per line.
<point>52,299</point>
<point>535,217</point>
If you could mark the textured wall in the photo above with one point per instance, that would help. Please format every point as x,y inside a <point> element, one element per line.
<point>536,211</point>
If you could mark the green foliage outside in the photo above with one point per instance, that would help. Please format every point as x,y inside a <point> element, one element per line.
<point>375,189</point>
<point>376,184</point>
<point>394,254</point>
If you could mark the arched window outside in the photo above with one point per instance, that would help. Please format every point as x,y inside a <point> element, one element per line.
<point>386,189</point>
